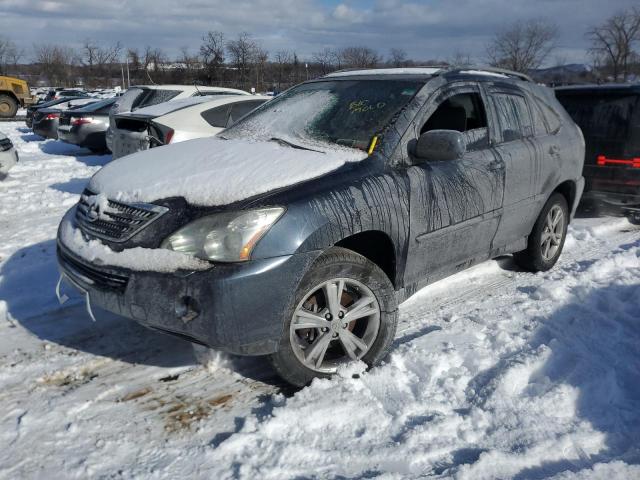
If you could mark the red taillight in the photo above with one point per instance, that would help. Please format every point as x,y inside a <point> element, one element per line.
<point>603,160</point>
<point>52,116</point>
<point>168,136</point>
<point>75,121</point>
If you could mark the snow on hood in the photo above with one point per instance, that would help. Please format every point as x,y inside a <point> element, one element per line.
<point>214,172</point>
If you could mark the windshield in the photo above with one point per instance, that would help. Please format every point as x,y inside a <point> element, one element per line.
<point>348,112</point>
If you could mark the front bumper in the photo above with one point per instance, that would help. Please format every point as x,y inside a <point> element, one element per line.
<point>237,308</point>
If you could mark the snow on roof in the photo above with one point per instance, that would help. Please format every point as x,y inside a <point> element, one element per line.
<point>193,88</point>
<point>389,71</point>
<point>483,72</point>
<point>213,171</point>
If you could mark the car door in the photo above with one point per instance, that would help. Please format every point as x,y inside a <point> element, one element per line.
<point>516,145</point>
<point>454,205</point>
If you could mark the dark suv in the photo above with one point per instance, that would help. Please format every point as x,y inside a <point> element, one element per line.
<point>609,116</point>
<point>298,232</point>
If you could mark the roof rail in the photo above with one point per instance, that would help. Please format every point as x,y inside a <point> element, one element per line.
<point>501,71</point>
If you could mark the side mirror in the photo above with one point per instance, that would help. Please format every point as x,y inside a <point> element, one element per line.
<point>440,145</point>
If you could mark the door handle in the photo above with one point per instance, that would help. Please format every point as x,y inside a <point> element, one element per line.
<point>554,150</point>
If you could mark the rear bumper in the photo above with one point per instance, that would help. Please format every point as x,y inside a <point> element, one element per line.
<point>615,186</point>
<point>237,308</point>
<point>46,129</point>
<point>82,137</point>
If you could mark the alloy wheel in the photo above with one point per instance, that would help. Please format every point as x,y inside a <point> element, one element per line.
<point>337,321</point>
<point>553,233</point>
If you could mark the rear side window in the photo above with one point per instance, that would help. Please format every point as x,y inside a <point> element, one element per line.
<point>217,117</point>
<point>514,117</point>
<point>240,109</point>
<point>552,118</point>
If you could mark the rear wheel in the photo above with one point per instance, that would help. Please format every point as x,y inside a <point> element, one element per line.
<point>547,238</point>
<point>8,106</point>
<point>344,310</point>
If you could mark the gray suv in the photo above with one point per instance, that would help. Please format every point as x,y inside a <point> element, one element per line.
<point>298,232</point>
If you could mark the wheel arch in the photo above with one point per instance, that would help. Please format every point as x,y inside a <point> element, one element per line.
<point>568,189</point>
<point>376,246</point>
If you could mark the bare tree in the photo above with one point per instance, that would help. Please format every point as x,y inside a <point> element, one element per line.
<point>242,54</point>
<point>613,42</point>
<point>523,45</point>
<point>359,57</point>
<point>398,57</point>
<point>328,60</point>
<point>461,59</point>
<point>212,53</point>
<point>99,60</point>
<point>10,54</point>
<point>56,62</point>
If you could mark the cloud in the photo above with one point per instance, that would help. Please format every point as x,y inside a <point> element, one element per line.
<point>425,29</point>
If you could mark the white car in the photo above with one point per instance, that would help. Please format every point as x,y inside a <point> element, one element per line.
<point>177,121</point>
<point>8,156</point>
<point>141,96</point>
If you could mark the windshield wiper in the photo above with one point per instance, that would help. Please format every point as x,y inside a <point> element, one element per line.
<point>282,141</point>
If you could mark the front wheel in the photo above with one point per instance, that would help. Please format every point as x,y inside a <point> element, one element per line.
<point>547,238</point>
<point>343,310</point>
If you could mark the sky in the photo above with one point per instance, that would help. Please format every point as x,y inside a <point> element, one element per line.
<point>426,30</point>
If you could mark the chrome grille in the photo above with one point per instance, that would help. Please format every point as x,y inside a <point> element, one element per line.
<point>114,221</point>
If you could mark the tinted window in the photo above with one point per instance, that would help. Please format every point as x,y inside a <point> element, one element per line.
<point>602,116</point>
<point>150,97</point>
<point>240,109</point>
<point>513,116</point>
<point>216,117</point>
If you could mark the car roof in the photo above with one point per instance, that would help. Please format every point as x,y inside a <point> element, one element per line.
<point>192,88</point>
<point>175,105</point>
<point>427,72</point>
<point>589,89</point>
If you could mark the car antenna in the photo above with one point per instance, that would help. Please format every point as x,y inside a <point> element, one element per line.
<point>195,84</point>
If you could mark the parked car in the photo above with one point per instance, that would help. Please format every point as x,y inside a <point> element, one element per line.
<point>65,102</point>
<point>147,95</point>
<point>8,156</point>
<point>296,232</point>
<point>173,122</point>
<point>609,116</point>
<point>62,93</point>
<point>45,120</point>
<point>86,126</point>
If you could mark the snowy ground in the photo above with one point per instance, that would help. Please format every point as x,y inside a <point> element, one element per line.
<point>495,373</point>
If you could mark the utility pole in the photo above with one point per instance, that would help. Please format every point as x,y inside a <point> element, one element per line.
<point>128,78</point>
<point>122,72</point>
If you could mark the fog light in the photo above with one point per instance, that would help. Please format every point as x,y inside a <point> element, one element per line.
<point>187,309</point>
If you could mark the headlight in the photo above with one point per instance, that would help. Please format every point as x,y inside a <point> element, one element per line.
<point>224,237</point>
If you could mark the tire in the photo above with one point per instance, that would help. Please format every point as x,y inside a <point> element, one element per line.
<point>534,258</point>
<point>8,106</point>
<point>634,218</point>
<point>361,280</point>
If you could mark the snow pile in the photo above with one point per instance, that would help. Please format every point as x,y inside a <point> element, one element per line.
<point>552,384</point>
<point>139,259</point>
<point>210,171</point>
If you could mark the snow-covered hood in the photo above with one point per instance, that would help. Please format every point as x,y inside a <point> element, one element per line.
<point>215,172</point>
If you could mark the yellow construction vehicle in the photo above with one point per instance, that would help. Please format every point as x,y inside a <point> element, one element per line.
<point>14,93</point>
